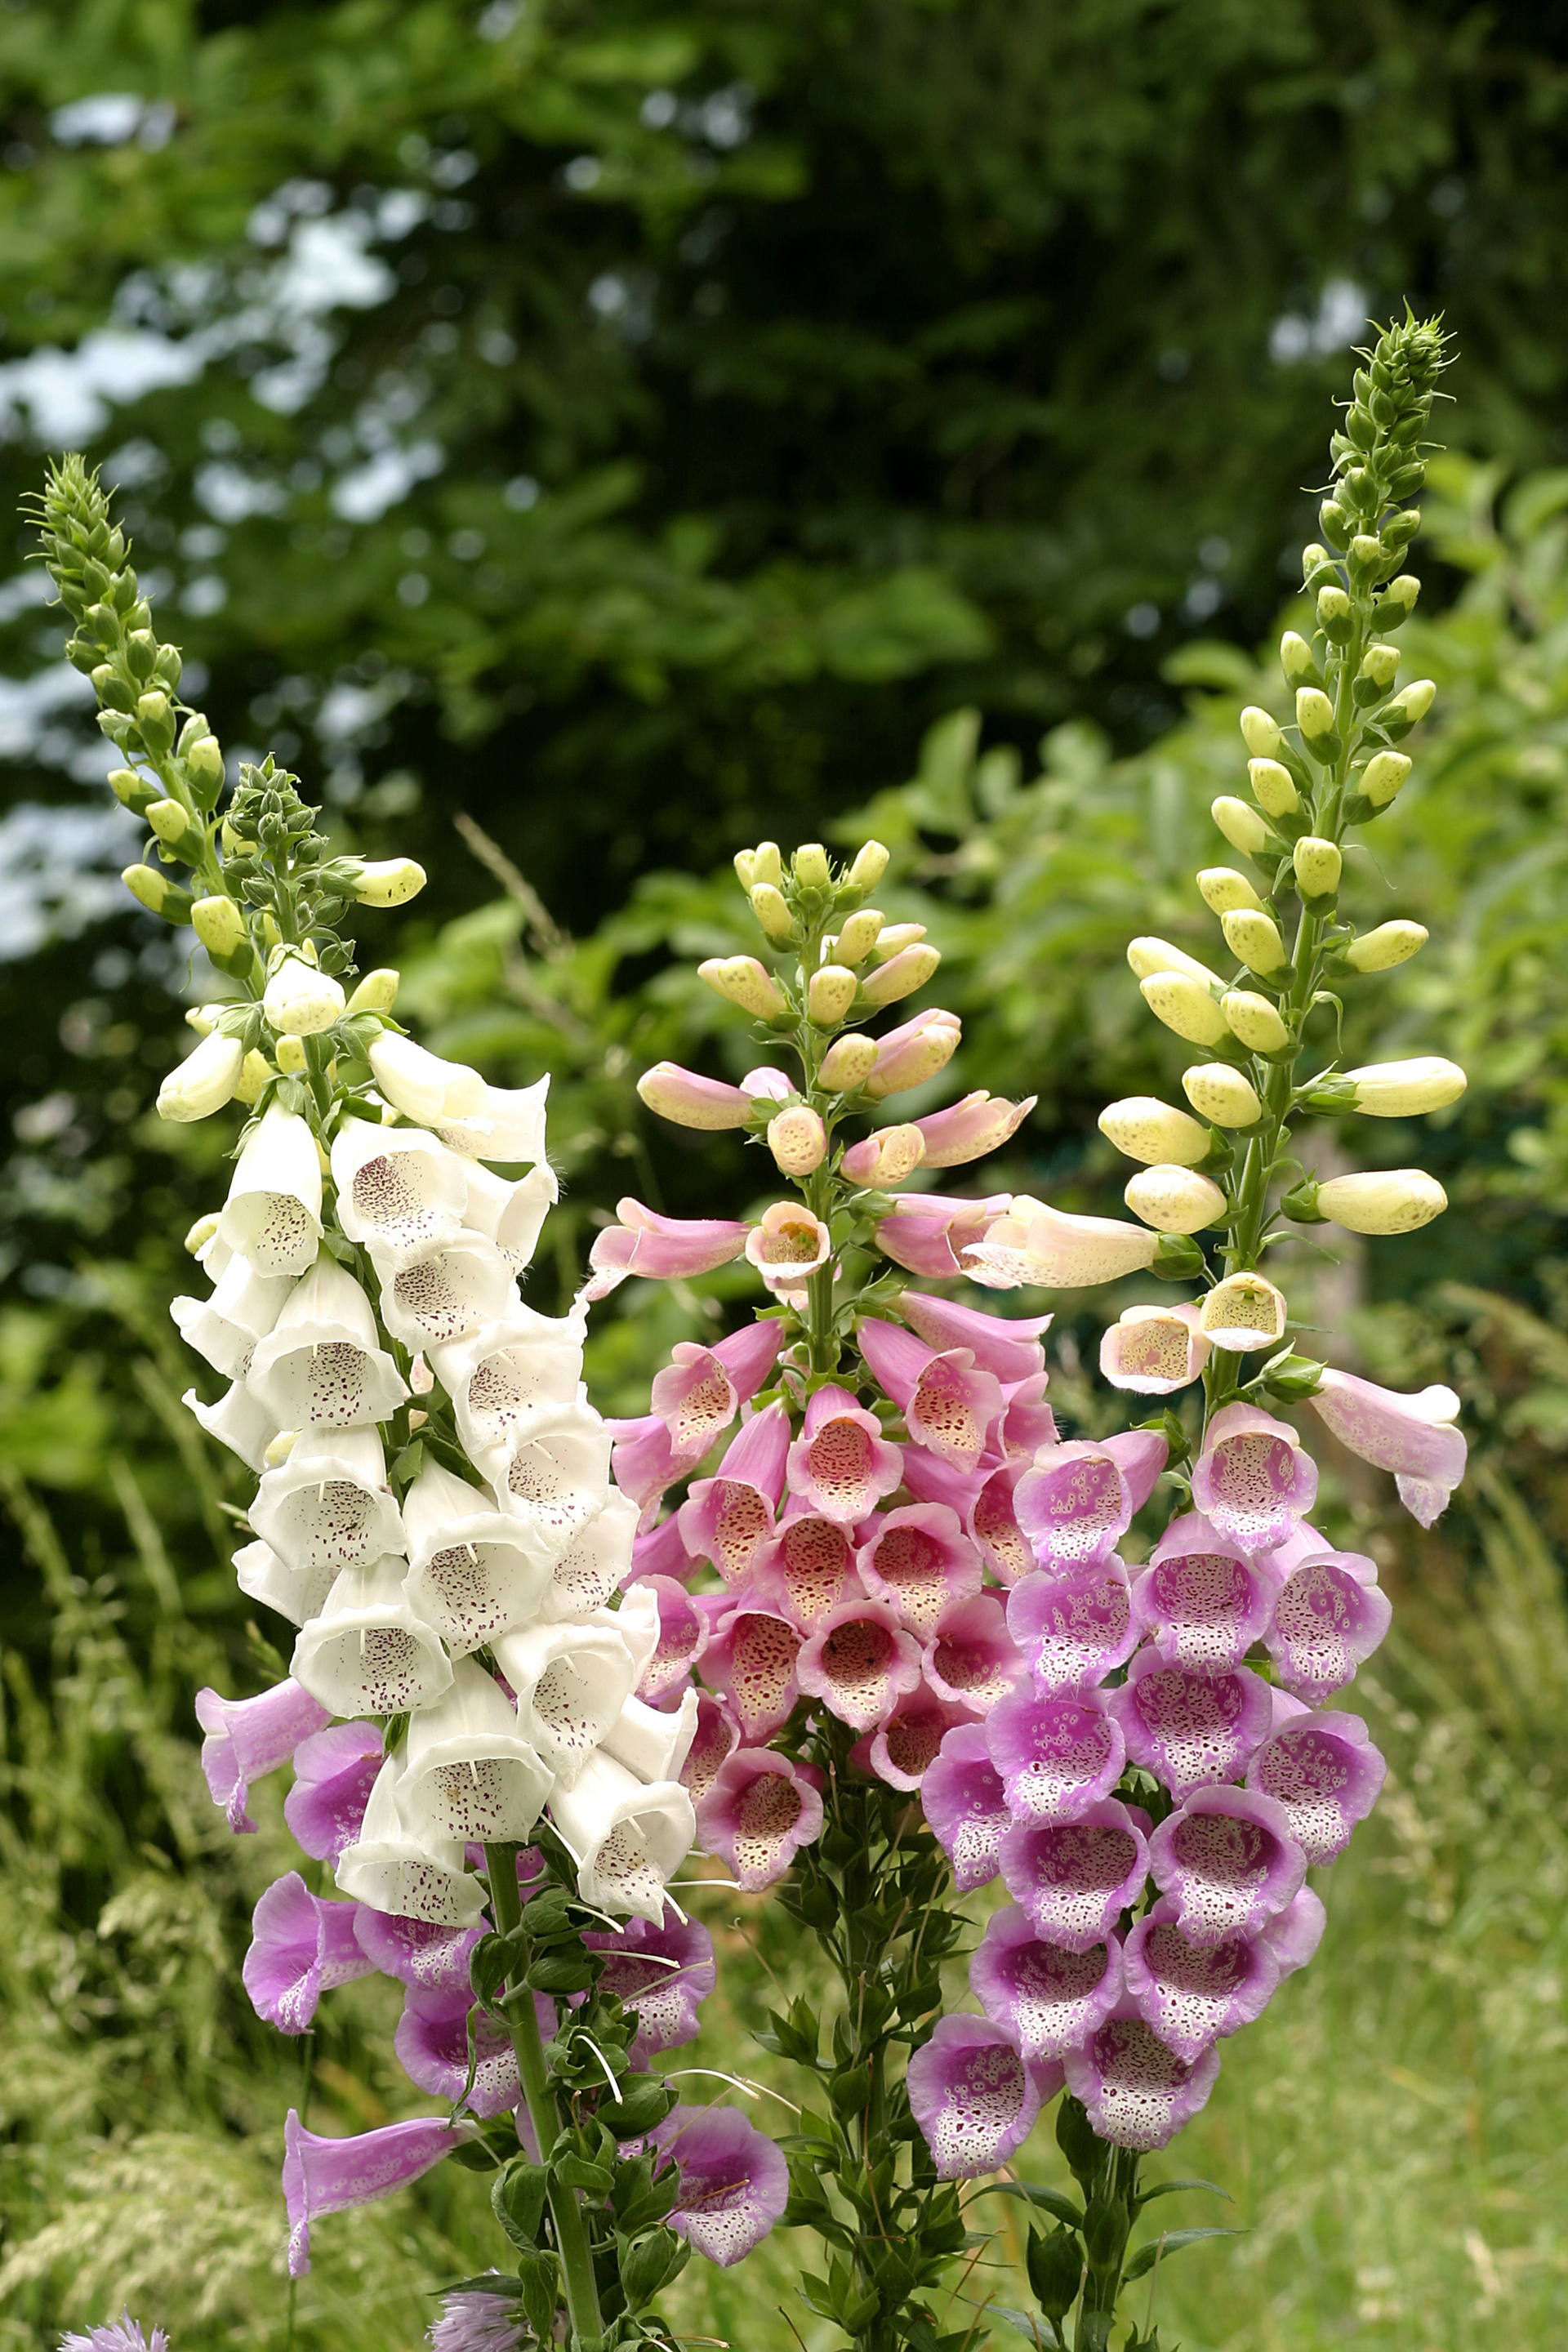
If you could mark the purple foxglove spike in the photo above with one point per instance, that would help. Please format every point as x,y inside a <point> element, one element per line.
<point>334,1772</point>
<point>417,1951</point>
<point>1229,1862</point>
<point>683,1637</point>
<point>1414,1436</point>
<point>472,2320</point>
<point>993,1521</point>
<point>1046,1997</point>
<point>1325,1775</point>
<point>966,1806</point>
<point>1072,1625</point>
<point>1193,1995</point>
<point>664,1999</point>
<point>1329,1615</point>
<point>644,1462</point>
<point>1189,1729</point>
<point>920,1562</point>
<point>301,1947</point>
<point>1074,1503</point>
<point>902,1750</point>
<point>432,2046</point>
<point>841,1465</point>
<point>971,1659</point>
<point>735,2183</point>
<point>973,2097</point>
<point>948,1406</point>
<point>1074,1879</point>
<point>928,1234</point>
<point>1253,1481</point>
<point>122,2334</point>
<point>1138,2091</point>
<point>1011,1348</point>
<point>930,1479</point>
<point>859,1662</point>
<point>1294,1933</point>
<point>646,1244</point>
<point>717,1735</point>
<point>753,1661</point>
<point>324,2176</point>
<point>807,1572</point>
<point>1026,1423</point>
<point>1057,1757</point>
<point>248,1738</point>
<point>760,1809</point>
<point>1200,1602</point>
<point>1142,1454</point>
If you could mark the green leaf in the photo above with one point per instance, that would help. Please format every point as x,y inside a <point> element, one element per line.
<point>1177,2189</point>
<point>538,2280</point>
<point>1049,2200</point>
<point>517,2197</point>
<point>1172,2243</point>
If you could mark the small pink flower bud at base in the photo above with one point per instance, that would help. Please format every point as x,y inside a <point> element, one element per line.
<point>1389,944</point>
<point>810,863</point>
<point>1243,1312</point>
<point>1404,1089</point>
<point>870,865</point>
<point>1260,732</point>
<point>902,975</point>
<point>830,991</point>
<point>1147,956</point>
<point>1314,713</point>
<point>1273,787</point>
<point>1185,1006</point>
<point>908,1056</point>
<point>1153,1351</point>
<point>1242,826</point>
<point>885,1157</point>
<point>1145,1129</point>
<point>1255,1021</point>
<point>686,1099</point>
<point>1318,865</point>
<point>787,1246</point>
<point>860,935</point>
<point>1223,891</point>
<point>1175,1199</point>
<point>847,1063</point>
<point>742,981</point>
<point>798,1140</point>
<point>969,1129</point>
<point>771,911</point>
<point>1382,776</point>
<point>1255,939</point>
<point>1217,1092</point>
<point>1391,1201</point>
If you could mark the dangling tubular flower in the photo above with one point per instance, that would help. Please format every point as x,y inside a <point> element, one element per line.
<point>920,1561</point>
<point>686,1099</point>
<point>967,1130</point>
<point>1191,1995</point>
<point>884,1158</point>
<point>789,1246</point>
<point>396,1866</point>
<point>334,1772</point>
<point>761,1807</point>
<point>841,1464</point>
<point>1074,1503</point>
<point>1190,1728</point>
<point>432,2046</point>
<point>1252,1481</point>
<point>683,1637</point>
<point>1073,1625</point>
<point>973,2097</point>
<point>948,1405</point>
<point>324,2176</point>
<point>421,1085</point>
<point>700,1390</point>
<point>1137,2091</point>
<point>1227,1860</point>
<point>1046,1997</point>
<point>1058,1757</point>
<point>1201,1601</point>
<point>1324,1773</point>
<point>1007,1346</point>
<point>1074,1879</point>
<point>397,1188</point>
<point>630,1836</point>
<point>966,1806</point>
<point>932,1234</point>
<point>735,2183</point>
<point>301,1947</point>
<point>273,1214</point>
<point>1153,1351</point>
<point>320,1365</point>
<point>248,1738</point>
<point>993,1523</point>
<point>1414,1436</point>
<point>1329,1618</point>
<point>204,1081</point>
<point>646,1243</point>
<point>859,1661</point>
<point>727,1518</point>
<point>1043,1246</point>
<point>1243,1312</point>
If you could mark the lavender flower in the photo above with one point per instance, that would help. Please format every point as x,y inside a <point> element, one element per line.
<point>966,1806</point>
<point>417,1951</point>
<point>902,1750</point>
<point>1072,1625</point>
<point>1324,1773</point>
<point>1330,1616</point>
<point>1137,2091</point>
<point>1057,1757</point>
<point>1190,1728</point>
<point>334,1772</point>
<point>973,2097</point>
<point>1074,1503</point>
<point>1047,1996</point>
<point>1252,1481</point>
<point>1414,1436</point>
<point>663,1998</point>
<point>324,2176</point>
<point>1192,1994</point>
<point>1228,1860</point>
<point>735,2183</point>
<point>122,2334</point>
<point>432,2046</point>
<point>1074,1879</point>
<point>1201,1601</point>
<point>248,1738</point>
<point>301,1947</point>
<point>474,2321</point>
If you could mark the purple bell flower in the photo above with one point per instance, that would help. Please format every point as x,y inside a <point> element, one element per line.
<point>1046,1997</point>
<point>1138,2091</point>
<point>1193,1994</point>
<point>1201,1601</point>
<point>1073,1625</point>
<point>326,2176</point>
<point>1294,1933</point>
<point>663,1998</point>
<point>1330,1616</point>
<point>248,1738</point>
<point>975,2097</point>
<point>301,1947</point>
<point>1074,1503</point>
<point>122,2334</point>
<point>334,1772</point>
<point>1190,1728</point>
<point>1252,1481</point>
<point>418,1952</point>
<point>966,1806</point>
<point>1229,1862</point>
<point>473,2320</point>
<point>432,2046</point>
<point>1074,1879</point>
<point>760,1809</point>
<point>1056,1757</point>
<point>1324,1773</point>
<point>735,2183</point>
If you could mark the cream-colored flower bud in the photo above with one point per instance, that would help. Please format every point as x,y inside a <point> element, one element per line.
<point>1259,731</point>
<point>1365,551</point>
<point>202,1231</point>
<point>746,870</point>
<point>1314,712</point>
<point>1148,1129</point>
<point>301,1001</point>
<point>204,1081</point>
<point>203,1019</point>
<point>1151,955</point>
<point>1242,826</point>
<point>895,938</point>
<point>1391,943</point>
<point>830,991</point>
<point>1243,1312</point>
<point>1413,704</point>
<point>202,762</point>
<point>1313,556</point>
<point>798,1140</point>
<point>1273,787</point>
<point>291,1056</point>
<point>1223,891</point>
<point>1391,1201</point>
<point>1296,657</point>
<point>219,925</point>
<point>255,1072</point>
<point>909,970</point>
<point>769,906</point>
<point>1404,1089</point>
<point>847,1063</point>
<point>1222,1094</point>
<point>377,993</point>
<point>168,820</point>
<point>767,864</point>
<point>1334,608</point>
<point>886,1156</point>
<point>811,870</point>
<point>1403,592</point>
<point>858,937</point>
<point>742,981</point>
<point>1255,939</point>
<point>1382,776</point>
<point>1255,1022</point>
<point>1175,1199</point>
<point>1381,665</point>
<point>1318,865</point>
<point>870,865</point>
<point>387,881</point>
<point>1185,1006</point>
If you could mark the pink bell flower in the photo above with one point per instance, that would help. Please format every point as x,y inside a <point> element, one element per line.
<point>1046,1997</point>
<point>1190,1728</point>
<point>1074,1879</point>
<point>664,1999</point>
<point>645,1463</point>
<point>808,1569</point>
<point>1322,1771</point>
<point>994,1523</point>
<point>1026,1423</point>
<point>324,2176</point>
<point>920,1561</point>
<point>974,2098</point>
<point>1414,1436</point>
<point>1202,1603</point>
<point>734,2182</point>
<point>1137,2091</point>
<point>841,1464</point>
<point>751,1661</point>
<point>1057,1757</point>
<point>859,1661</point>
<point>1229,1862</point>
<point>1074,1502</point>
<point>658,1550</point>
<point>1329,1615</point>
<point>902,1750</point>
<point>1193,1995</point>
<point>683,1637</point>
<point>717,1736</point>
<point>966,1806</point>
<point>1002,1344</point>
<point>948,1406</point>
<point>760,1809</point>
<point>1073,1625</point>
<point>688,1099</point>
<point>700,1390</point>
<point>967,1130</point>
<point>913,1052</point>
<point>1252,1481</point>
<point>930,1234</point>
<point>301,1947</point>
<point>787,1246</point>
<point>1153,1351</point>
<point>726,1518</point>
<point>971,1659</point>
<point>419,1952</point>
<point>646,1244</point>
<point>334,1772</point>
<point>248,1738</point>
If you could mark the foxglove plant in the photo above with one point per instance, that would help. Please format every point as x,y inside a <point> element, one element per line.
<point>435,1518</point>
<point>896,1579</point>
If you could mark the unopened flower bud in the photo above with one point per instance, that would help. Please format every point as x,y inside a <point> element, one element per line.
<point>894,938</point>
<point>1223,891</point>
<point>301,1001</point>
<point>1392,1201</point>
<point>688,1099</point>
<point>1335,617</point>
<point>202,1231</point>
<point>870,865</point>
<point>1381,664</point>
<point>1255,1022</point>
<point>386,881</point>
<point>1315,556</point>
<point>1413,703</point>
<point>202,762</point>
<point>769,906</point>
<point>830,991</point>
<point>742,981</point>
<point>1148,1129</point>
<point>1274,787</point>
<point>204,1081</point>
<point>1314,712</point>
<point>1366,553</point>
<point>1243,1312</point>
<point>1318,865</point>
<point>885,1157</point>
<point>1391,943</point>
<point>255,1072</point>
<point>168,820</point>
<point>1147,954</point>
<point>1185,1006</point>
<point>203,1019</point>
<point>1175,1199</point>
<point>1259,731</point>
<point>281,1447</point>
<point>377,993</point>
<point>290,1056</point>
<point>157,893</point>
<point>811,869</point>
<point>858,937</point>
<point>767,865</point>
<point>1255,939</point>
<point>798,1140</point>
<point>1242,826</point>
<point>746,870</point>
<point>220,924</point>
<point>136,792</point>
<point>909,970</point>
<point>1220,1093</point>
<point>1296,657</point>
<point>1382,776</point>
<point>847,1063</point>
<point>1398,601</point>
<point>152,716</point>
<point>1404,1089</point>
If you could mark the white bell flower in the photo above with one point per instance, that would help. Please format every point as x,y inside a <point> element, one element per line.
<point>328,1506</point>
<point>409,1875</point>
<point>558,1479</point>
<point>590,1570</point>
<point>512,1376</point>
<point>237,1421</point>
<point>297,1593</point>
<point>636,1622</point>
<point>508,1126</point>
<point>469,1772</point>
<point>445,1294</point>
<point>628,1837</point>
<point>368,1651</point>
<point>649,1743</point>
<point>321,1365</point>
<point>572,1682</point>
<point>273,1214</point>
<point>421,1085</point>
<point>399,1191</point>
<point>243,1308</point>
<point>301,1001</point>
<point>204,1081</point>
<point>473,1570</point>
<point>511,1215</point>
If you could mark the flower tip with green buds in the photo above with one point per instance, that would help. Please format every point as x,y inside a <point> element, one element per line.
<point>377,993</point>
<point>1296,657</point>
<point>870,865</point>
<point>1404,1089</point>
<point>1260,732</point>
<point>386,881</point>
<point>1390,944</point>
<point>1389,1200</point>
<point>742,981</point>
<point>220,924</point>
<point>1145,1129</point>
<point>830,991</point>
<point>1254,1022</point>
<point>301,1001</point>
<point>1185,1006</point>
<point>1255,939</point>
<point>909,970</point>
<point>1273,787</point>
<point>1148,955</point>
<point>811,868</point>
<point>204,1081</point>
<point>847,1063</point>
<point>1222,1095</point>
<point>1223,891</point>
<point>1241,825</point>
<point>1173,1198</point>
<point>1382,777</point>
<point>1318,865</point>
<point>771,911</point>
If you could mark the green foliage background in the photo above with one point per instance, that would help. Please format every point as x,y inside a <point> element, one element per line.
<point>770,404</point>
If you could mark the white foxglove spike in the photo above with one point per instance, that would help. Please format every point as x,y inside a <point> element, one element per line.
<point>396,1870</point>
<point>512,1376</point>
<point>273,1214</point>
<point>509,1127</point>
<point>630,1837</point>
<point>445,1294</point>
<point>237,1422</point>
<point>421,1085</point>
<point>473,1571</point>
<point>329,1503</point>
<point>590,1570</point>
<point>559,1478</point>
<point>470,1773</point>
<point>243,1308</point>
<point>321,1366</point>
<point>399,1192</point>
<point>636,1621</point>
<point>297,1593</point>
<point>652,1744</point>
<point>368,1653</point>
<point>510,1215</point>
<point>572,1682</point>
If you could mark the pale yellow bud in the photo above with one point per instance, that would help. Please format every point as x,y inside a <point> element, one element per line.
<point>1274,787</point>
<point>202,1231</point>
<point>1185,1006</point>
<point>746,870</point>
<point>811,869</point>
<point>204,1081</point>
<point>1220,1093</point>
<point>1148,1129</point>
<point>1314,712</point>
<point>1381,664</point>
<point>1255,939</point>
<point>1404,1089</point>
<point>1259,731</point>
<point>742,981</point>
<point>870,865</point>
<point>1391,943</point>
<point>895,938</point>
<point>300,1000</point>
<point>218,924</point>
<point>387,881</point>
<point>291,1056</point>
<point>1242,826</point>
<point>767,865</point>
<point>858,937</point>
<point>1151,955</point>
<point>168,820</point>
<point>1392,1201</point>
<point>798,1140</point>
<point>847,1063</point>
<point>281,1447</point>
<point>1413,704</point>
<point>1382,776</point>
<point>1255,1022</point>
<point>830,991</point>
<point>1296,657</point>
<point>1175,1199</point>
<point>377,993</point>
<point>1223,891</point>
<point>255,1072</point>
<point>203,1019</point>
<point>769,907</point>
<point>1318,865</point>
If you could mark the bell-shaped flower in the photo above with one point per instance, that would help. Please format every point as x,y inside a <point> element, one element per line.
<point>966,1806</point>
<point>301,1947</point>
<point>595,1563</point>
<point>273,1214</point>
<point>759,1810</point>
<point>684,1632</point>
<point>1324,1773</point>
<point>1201,1604</point>
<point>974,2098</point>
<point>243,1308</point>
<point>1074,1879</point>
<point>399,1868</point>
<point>1026,1423</point>
<point>993,1523</point>
<point>726,1518</point>
<point>1414,1436</point>
<point>1193,1995</point>
<point>628,1836</point>
<point>508,1377</point>
<point>399,1191</point>
<point>508,1128</point>
<point>652,1742</point>
<point>469,1773</point>
<point>1252,1481</point>
<point>971,1659</point>
<point>948,1405</point>
<point>883,1158</point>
<point>572,1682</point>
<point>735,2183</point>
<point>1329,1615</point>
<point>369,1651</point>
<point>1294,1933</point>
<point>419,1951</point>
<point>1046,1997</point>
<point>320,1367</point>
<point>204,1081</point>
<point>248,1738</point>
<point>1037,1244</point>
<point>302,1000</point>
<point>1074,1503</point>
<point>325,2175</point>
<point>1009,1347</point>
<point>753,1660</point>
<point>558,1479</point>
<point>510,1211</point>
<point>1072,1625</point>
<point>912,1053</point>
<point>1137,2091</point>
<point>688,1099</point>
<point>787,1246</point>
<point>969,1129</point>
<point>1229,1862</point>
<point>700,1390</point>
<point>334,1772</point>
<point>920,1561</point>
<point>841,1465</point>
<point>807,1570</point>
<point>432,2046</point>
<point>296,1593</point>
<point>328,1505</point>
<point>859,1661</point>
<point>1189,1729</point>
<point>644,1462</point>
<point>1057,1757</point>
<point>717,1736</point>
<point>931,1233</point>
<point>237,1421</point>
<point>661,1975</point>
<point>902,1750</point>
<point>1153,1351</point>
<point>656,1247</point>
<point>473,1570</point>
<point>1244,1312</point>
<point>447,1294</point>
<point>421,1085</point>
